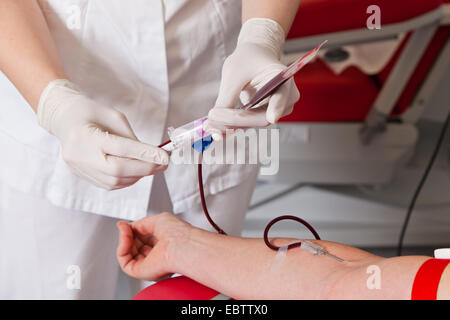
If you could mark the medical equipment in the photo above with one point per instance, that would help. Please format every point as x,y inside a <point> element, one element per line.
<point>194,132</point>
<point>316,249</point>
<point>309,246</point>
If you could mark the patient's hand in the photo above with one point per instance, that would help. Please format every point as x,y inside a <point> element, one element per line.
<point>146,246</point>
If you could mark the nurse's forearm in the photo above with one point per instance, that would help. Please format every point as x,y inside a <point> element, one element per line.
<point>282,11</point>
<point>28,56</point>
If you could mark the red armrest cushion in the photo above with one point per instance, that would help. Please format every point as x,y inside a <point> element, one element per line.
<point>327,97</point>
<point>328,16</point>
<point>178,288</point>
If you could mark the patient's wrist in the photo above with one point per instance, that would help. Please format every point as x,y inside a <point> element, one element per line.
<point>189,252</point>
<point>178,247</point>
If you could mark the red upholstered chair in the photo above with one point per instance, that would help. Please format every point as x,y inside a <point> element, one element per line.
<point>352,127</point>
<point>337,17</point>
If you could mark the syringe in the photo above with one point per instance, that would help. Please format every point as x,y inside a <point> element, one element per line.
<point>193,132</point>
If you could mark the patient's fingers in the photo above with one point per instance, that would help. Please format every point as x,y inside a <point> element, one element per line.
<point>124,255</point>
<point>152,241</point>
<point>138,243</point>
<point>134,251</point>
<point>146,226</point>
<point>145,250</point>
<point>142,240</point>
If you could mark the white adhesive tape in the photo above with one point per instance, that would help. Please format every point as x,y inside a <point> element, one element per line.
<point>442,253</point>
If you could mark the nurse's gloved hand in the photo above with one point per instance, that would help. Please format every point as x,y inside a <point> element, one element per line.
<point>255,61</point>
<point>97,141</point>
<point>147,247</point>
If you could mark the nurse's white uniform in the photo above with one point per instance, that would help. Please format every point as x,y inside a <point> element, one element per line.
<point>159,62</point>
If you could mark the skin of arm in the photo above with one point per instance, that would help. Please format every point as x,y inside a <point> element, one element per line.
<point>444,286</point>
<point>247,269</point>
<point>243,269</point>
<point>282,11</point>
<point>28,56</point>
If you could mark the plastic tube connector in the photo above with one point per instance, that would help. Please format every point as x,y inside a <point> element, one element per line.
<point>312,248</point>
<point>316,249</point>
<point>189,133</point>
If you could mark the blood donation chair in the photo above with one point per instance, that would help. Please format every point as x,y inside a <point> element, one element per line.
<point>352,128</point>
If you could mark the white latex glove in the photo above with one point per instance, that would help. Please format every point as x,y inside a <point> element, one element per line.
<point>97,141</point>
<point>255,62</point>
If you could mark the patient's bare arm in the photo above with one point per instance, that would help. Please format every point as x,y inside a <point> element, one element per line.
<point>244,268</point>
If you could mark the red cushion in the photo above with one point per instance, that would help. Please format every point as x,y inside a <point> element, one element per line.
<point>327,16</point>
<point>326,97</point>
<point>179,288</point>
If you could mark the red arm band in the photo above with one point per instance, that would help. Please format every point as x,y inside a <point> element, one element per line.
<point>426,282</point>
